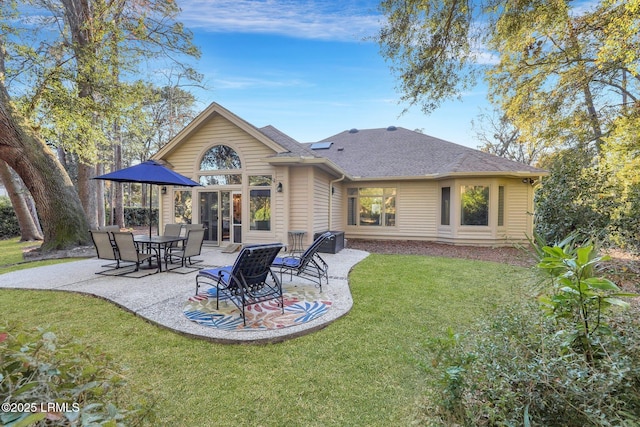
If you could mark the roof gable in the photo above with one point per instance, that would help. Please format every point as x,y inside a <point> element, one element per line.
<point>204,117</point>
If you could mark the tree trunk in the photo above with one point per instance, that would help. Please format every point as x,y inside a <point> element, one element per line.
<point>100,195</point>
<point>87,192</point>
<point>63,221</point>
<point>118,207</point>
<point>28,228</point>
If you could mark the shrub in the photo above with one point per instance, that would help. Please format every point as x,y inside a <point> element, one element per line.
<point>9,226</point>
<point>576,197</point>
<point>50,380</point>
<point>574,363</point>
<point>578,294</point>
<point>137,216</point>
<point>514,371</point>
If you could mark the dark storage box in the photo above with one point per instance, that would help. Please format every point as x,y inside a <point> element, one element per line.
<point>334,245</point>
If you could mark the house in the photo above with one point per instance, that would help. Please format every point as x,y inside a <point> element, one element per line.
<point>258,184</point>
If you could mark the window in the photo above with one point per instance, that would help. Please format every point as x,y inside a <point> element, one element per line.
<point>371,206</point>
<point>220,157</point>
<point>500,206</point>
<point>228,179</point>
<point>475,205</point>
<point>225,162</point>
<point>182,207</point>
<point>260,202</point>
<point>445,206</point>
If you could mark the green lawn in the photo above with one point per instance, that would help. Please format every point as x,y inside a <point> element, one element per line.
<point>11,258</point>
<point>361,370</point>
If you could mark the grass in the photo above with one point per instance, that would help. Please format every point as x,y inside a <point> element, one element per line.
<point>11,258</point>
<point>360,370</point>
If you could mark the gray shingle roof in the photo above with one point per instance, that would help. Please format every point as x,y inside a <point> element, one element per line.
<point>382,153</point>
<point>295,149</point>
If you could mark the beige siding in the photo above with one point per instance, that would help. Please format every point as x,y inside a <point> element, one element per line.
<point>417,205</point>
<point>186,159</point>
<point>338,210</point>
<point>320,202</point>
<point>418,213</point>
<point>300,199</point>
<point>517,210</point>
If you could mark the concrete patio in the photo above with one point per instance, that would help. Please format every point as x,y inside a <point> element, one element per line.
<point>159,298</point>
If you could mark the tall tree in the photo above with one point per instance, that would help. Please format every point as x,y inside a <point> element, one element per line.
<point>65,75</point>
<point>59,208</point>
<point>63,221</point>
<point>498,136</point>
<point>560,72</point>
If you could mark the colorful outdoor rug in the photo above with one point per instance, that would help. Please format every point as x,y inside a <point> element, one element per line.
<point>301,305</point>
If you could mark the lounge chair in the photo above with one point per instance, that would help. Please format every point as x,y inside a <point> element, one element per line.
<point>192,247</point>
<point>105,249</point>
<point>309,265</point>
<point>249,280</point>
<point>129,251</point>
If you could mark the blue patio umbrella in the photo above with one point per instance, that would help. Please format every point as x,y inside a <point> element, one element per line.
<point>149,172</point>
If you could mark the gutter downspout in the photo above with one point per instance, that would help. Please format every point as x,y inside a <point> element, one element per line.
<point>331,198</point>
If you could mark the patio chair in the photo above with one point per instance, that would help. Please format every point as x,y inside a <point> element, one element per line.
<point>105,249</point>
<point>188,227</point>
<point>309,265</point>
<point>249,280</point>
<point>129,251</point>
<point>172,229</point>
<point>192,247</point>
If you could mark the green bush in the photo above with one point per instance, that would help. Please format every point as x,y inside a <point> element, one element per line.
<point>56,381</point>
<point>514,370</point>
<point>572,359</point>
<point>579,294</point>
<point>576,197</point>
<point>137,216</point>
<point>9,226</point>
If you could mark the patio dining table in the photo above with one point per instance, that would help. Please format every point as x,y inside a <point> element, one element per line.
<point>158,243</point>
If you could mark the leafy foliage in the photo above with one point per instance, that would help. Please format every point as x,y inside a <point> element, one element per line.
<point>576,197</point>
<point>574,363</point>
<point>63,382</point>
<point>513,370</point>
<point>578,295</point>
<point>9,226</point>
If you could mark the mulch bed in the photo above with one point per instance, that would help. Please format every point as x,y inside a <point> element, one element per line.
<point>623,269</point>
<point>505,255</point>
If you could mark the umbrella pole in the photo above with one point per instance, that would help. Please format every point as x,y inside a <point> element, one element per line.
<point>150,208</point>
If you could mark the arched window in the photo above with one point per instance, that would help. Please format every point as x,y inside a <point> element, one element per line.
<point>226,164</point>
<point>220,157</point>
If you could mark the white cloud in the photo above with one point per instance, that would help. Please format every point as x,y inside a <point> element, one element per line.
<point>251,82</point>
<point>311,19</point>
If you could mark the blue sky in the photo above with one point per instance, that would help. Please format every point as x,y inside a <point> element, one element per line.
<point>305,67</point>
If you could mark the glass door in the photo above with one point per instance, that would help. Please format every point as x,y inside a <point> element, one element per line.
<point>221,214</point>
<point>237,217</point>
<point>209,215</point>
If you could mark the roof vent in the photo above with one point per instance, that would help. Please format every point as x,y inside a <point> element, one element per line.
<point>340,148</point>
<point>391,128</point>
<point>321,145</point>
<point>354,130</point>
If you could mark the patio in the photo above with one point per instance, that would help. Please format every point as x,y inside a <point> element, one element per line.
<point>161,298</point>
